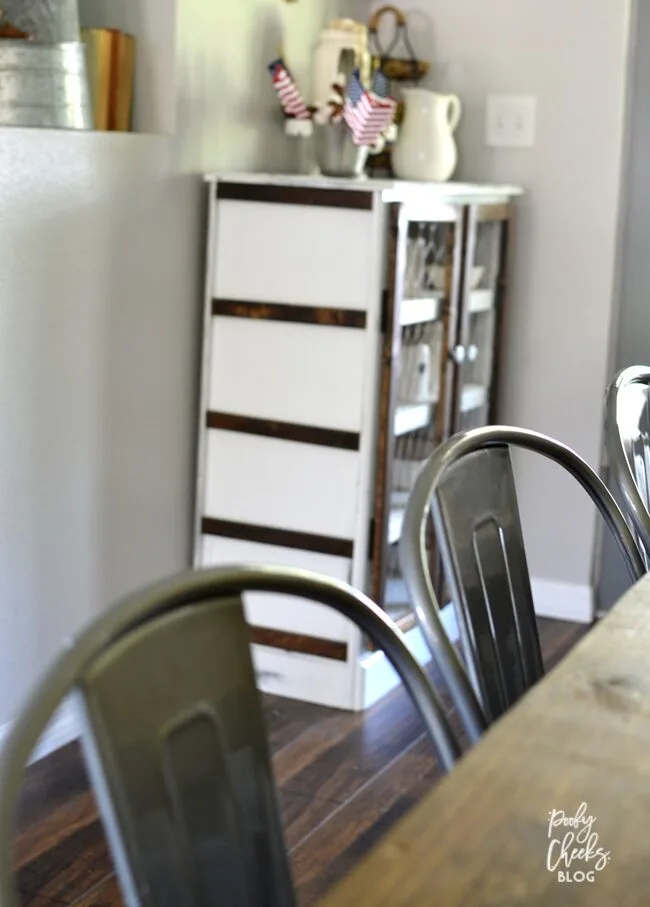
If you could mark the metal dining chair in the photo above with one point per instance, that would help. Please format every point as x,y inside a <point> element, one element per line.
<point>468,488</point>
<point>174,738</point>
<point>627,439</point>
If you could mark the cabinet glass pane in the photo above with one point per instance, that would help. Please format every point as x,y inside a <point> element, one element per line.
<point>421,382</point>
<point>478,340</point>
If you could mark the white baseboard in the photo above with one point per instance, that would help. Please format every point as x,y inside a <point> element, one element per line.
<point>378,676</point>
<point>563,601</point>
<point>63,728</point>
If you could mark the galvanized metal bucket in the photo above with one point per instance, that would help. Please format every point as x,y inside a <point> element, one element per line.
<point>336,153</point>
<point>44,85</point>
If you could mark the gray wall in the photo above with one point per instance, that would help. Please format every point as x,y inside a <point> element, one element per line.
<point>227,115</point>
<point>631,329</point>
<point>99,298</point>
<point>101,285</point>
<point>632,332</point>
<point>573,58</point>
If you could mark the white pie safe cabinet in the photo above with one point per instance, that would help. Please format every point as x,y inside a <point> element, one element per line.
<point>349,328</point>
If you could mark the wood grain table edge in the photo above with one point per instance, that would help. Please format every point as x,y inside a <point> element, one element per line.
<point>582,733</point>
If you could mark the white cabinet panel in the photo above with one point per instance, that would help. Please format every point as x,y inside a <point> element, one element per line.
<point>309,374</point>
<point>298,254</point>
<point>321,680</point>
<point>283,612</point>
<point>281,484</point>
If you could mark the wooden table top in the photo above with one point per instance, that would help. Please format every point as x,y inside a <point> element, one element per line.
<point>581,736</point>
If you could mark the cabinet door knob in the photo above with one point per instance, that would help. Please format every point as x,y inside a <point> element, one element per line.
<point>472,352</point>
<point>458,354</point>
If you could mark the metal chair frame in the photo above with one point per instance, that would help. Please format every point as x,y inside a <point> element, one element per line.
<point>627,439</point>
<point>84,656</point>
<point>464,684</point>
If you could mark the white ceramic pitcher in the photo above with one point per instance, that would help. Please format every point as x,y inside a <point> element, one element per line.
<point>426,149</point>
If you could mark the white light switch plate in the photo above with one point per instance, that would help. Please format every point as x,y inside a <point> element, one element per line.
<point>510,121</point>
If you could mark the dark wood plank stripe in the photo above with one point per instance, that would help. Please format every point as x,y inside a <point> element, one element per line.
<point>297,314</point>
<point>286,720</point>
<point>284,431</point>
<point>295,642</point>
<point>75,863</point>
<point>296,195</point>
<point>281,538</point>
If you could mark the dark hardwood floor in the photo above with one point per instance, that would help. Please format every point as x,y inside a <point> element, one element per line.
<point>344,779</point>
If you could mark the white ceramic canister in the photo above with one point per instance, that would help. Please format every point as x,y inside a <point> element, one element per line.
<point>340,49</point>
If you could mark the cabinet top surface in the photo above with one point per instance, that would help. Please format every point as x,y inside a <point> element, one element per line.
<point>389,190</point>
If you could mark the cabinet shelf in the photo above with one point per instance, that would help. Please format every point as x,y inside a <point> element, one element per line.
<point>481,301</point>
<point>398,502</point>
<point>411,417</point>
<point>420,309</point>
<point>473,396</point>
<point>395,522</point>
<point>414,415</point>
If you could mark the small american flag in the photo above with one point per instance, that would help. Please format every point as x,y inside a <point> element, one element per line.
<point>290,98</point>
<point>380,84</point>
<point>367,115</point>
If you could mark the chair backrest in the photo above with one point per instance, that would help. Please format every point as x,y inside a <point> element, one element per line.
<point>179,754</point>
<point>468,487</point>
<point>476,520</point>
<point>627,439</point>
<point>175,741</point>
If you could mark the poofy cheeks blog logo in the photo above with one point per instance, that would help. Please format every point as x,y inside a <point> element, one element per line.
<point>574,854</point>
